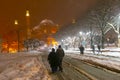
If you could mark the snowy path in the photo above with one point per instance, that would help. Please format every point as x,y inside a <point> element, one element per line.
<point>109,62</point>
<point>110,57</point>
<point>75,69</point>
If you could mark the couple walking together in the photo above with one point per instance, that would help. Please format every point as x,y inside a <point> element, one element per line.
<point>55,59</point>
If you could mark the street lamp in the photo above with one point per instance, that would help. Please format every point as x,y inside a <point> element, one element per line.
<point>81,33</point>
<point>18,36</point>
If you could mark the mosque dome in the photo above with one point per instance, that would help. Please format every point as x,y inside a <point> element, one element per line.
<point>47,22</point>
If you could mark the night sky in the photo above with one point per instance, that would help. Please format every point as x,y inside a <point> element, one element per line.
<point>59,11</point>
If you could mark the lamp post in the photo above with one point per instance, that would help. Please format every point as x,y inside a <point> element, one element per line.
<point>91,36</point>
<point>18,36</point>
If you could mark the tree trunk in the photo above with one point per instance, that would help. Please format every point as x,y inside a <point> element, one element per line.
<point>118,40</point>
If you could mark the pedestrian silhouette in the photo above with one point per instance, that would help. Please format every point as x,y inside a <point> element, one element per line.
<point>53,60</point>
<point>93,49</point>
<point>61,54</point>
<point>99,48</point>
<point>81,48</point>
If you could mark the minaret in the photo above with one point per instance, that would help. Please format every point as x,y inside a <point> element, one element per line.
<point>28,30</point>
<point>18,34</point>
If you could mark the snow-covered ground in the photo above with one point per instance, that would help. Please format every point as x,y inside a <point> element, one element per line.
<point>22,66</point>
<point>110,57</point>
<point>107,51</point>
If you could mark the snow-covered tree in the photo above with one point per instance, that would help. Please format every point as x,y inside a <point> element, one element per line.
<point>100,17</point>
<point>116,27</point>
<point>32,43</point>
<point>115,22</point>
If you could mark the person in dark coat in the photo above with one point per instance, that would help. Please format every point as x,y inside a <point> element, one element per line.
<point>99,48</point>
<point>93,48</point>
<point>81,48</point>
<point>53,60</point>
<point>61,54</point>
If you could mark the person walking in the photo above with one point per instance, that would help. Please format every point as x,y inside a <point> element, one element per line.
<point>61,54</point>
<point>93,49</point>
<point>99,48</point>
<point>53,60</point>
<point>81,48</point>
